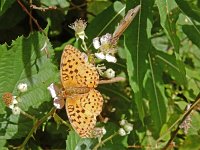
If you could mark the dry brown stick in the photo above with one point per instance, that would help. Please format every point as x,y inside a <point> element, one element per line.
<point>113,80</point>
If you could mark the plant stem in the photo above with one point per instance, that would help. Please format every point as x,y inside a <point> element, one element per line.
<point>113,80</point>
<point>104,141</point>
<point>27,115</point>
<point>36,125</point>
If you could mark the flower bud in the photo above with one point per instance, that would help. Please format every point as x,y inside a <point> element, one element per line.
<point>122,132</point>
<point>109,73</point>
<point>22,87</point>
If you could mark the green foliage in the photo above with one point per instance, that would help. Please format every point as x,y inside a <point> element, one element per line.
<point>158,55</point>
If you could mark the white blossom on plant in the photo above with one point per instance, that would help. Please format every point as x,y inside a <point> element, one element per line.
<point>22,87</point>
<point>106,48</point>
<point>128,127</point>
<point>121,132</point>
<point>122,122</point>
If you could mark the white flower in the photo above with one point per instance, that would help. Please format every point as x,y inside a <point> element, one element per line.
<point>105,47</point>
<point>52,90</point>
<point>100,55</point>
<point>109,73</point>
<point>107,57</point>
<point>105,39</point>
<point>122,122</point>
<point>128,127</point>
<point>22,87</point>
<point>110,58</point>
<point>122,132</point>
<point>16,110</point>
<point>96,43</point>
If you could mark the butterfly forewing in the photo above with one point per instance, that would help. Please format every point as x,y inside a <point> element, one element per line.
<point>76,71</point>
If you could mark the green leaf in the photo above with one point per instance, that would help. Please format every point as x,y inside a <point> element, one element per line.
<point>155,92</point>
<point>24,62</point>
<point>72,140</point>
<point>9,19</point>
<point>96,7</point>
<point>169,15</point>
<point>191,142</point>
<point>137,47</point>
<point>169,64</point>
<point>4,5</point>
<point>193,33</point>
<point>189,8</point>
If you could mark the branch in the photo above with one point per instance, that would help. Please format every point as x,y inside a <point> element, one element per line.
<point>113,80</point>
<point>36,125</point>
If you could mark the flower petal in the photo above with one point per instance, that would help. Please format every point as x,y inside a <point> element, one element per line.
<point>111,58</point>
<point>96,43</point>
<point>52,90</point>
<point>105,39</point>
<point>100,55</point>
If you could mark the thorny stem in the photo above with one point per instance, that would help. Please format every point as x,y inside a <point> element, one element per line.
<point>27,115</point>
<point>181,119</point>
<point>36,125</point>
<point>104,141</point>
<point>62,121</point>
<point>113,80</point>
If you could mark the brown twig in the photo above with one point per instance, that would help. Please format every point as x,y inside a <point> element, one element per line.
<point>43,8</point>
<point>113,80</point>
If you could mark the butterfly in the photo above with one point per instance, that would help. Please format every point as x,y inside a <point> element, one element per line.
<point>79,79</point>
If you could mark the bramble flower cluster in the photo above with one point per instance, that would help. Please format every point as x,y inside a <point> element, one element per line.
<point>126,127</point>
<point>106,48</point>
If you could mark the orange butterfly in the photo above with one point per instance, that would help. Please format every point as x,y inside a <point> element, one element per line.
<point>83,102</point>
